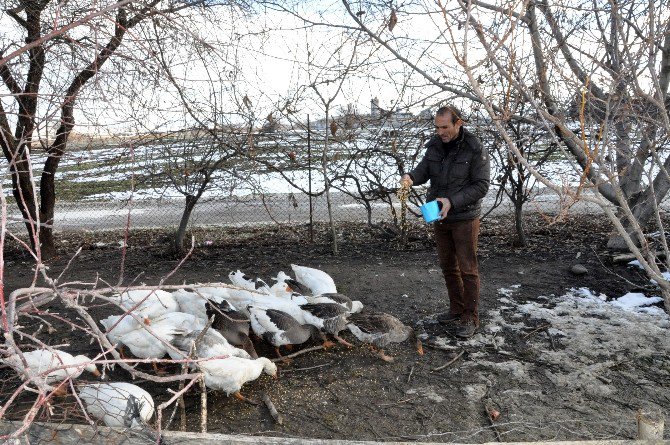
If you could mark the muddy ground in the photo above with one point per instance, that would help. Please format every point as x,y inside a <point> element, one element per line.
<point>350,393</point>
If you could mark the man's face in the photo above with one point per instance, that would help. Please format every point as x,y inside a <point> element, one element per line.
<point>446,129</point>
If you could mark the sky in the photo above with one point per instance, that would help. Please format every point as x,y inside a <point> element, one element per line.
<point>267,56</point>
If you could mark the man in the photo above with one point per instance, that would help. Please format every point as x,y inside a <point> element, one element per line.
<point>457,167</point>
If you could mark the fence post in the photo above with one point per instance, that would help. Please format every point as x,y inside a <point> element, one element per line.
<point>309,173</point>
<point>650,424</point>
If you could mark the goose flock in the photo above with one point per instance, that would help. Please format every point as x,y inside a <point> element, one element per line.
<point>156,323</point>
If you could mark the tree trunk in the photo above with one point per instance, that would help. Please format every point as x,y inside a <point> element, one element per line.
<point>27,100</point>
<point>24,194</point>
<point>48,200</point>
<point>644,208</point>
<point>666,299</point>
<point>326,181</point>
<point>521,240</point>
<point>183,224</point>
<point>23,190</point>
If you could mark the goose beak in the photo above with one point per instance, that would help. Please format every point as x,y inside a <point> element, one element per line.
<point>96,373</point>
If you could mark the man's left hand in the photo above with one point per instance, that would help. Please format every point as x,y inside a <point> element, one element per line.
<point>446,206</point>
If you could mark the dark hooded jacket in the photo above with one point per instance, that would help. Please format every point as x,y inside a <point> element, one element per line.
<point>461,174</point>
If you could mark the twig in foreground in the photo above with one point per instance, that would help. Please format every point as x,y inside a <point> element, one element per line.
<point>492,414</point>
<point>301,352</point>
<point>271,407</point>
<point>308,367</point>
<point>440,368</point>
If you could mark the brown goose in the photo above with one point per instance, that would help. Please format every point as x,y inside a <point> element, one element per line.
<point>378,329</point>
<point>232,324</point>
<point>331,318</point>
<point>212,344</point>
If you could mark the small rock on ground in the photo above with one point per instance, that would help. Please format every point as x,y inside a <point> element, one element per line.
<point>579,269</point>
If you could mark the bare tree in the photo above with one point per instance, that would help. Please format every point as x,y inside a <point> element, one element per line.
<point>323,75</point>
<point>189,162</point>
<point>48,59</point>
<point>595,76</point>
<point>514,181</point>
<point>375,157</point>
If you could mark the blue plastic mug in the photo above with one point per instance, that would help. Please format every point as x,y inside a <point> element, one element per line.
<point>430,211</point>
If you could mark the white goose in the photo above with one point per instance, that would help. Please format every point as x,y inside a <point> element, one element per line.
<point>118,404</point>
<point>229,374</point>
<point>116,326</point>
<point>144,344</point>
<point>318,281</point>
<point>151,303</point>
<point>240,279</point>
<point>180,320</point>
<point>191,303</point>
<point>53,366</point>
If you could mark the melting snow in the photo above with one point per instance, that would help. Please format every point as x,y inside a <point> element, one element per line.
<point>508,292</point>
<point>592,335</point>
<point>636,301</point>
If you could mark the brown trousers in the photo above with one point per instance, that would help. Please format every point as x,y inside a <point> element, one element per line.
<point>457,251</point>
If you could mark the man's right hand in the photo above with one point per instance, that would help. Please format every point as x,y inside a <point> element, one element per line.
<point>406,181</point>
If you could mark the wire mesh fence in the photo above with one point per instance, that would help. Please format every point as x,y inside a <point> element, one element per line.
<point>266,209</point>
<point>278,177</point>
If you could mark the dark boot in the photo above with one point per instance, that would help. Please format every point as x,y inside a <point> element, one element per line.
<point>467,329</point>
<point>448,318</point>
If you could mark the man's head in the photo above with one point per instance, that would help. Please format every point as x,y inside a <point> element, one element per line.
<point>448,122</point>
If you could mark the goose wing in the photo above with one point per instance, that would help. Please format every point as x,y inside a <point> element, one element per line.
<point>316,280</point>
<point>374,322</point>
<point>281,319</point>
<point>324,310</point>
<point>224,306</point>
<point>191,303</point>
<point>231,323</point>
<point>297,287</point>
<point>332,297</point>
<point>278,327</point>
<point>331,317</point>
